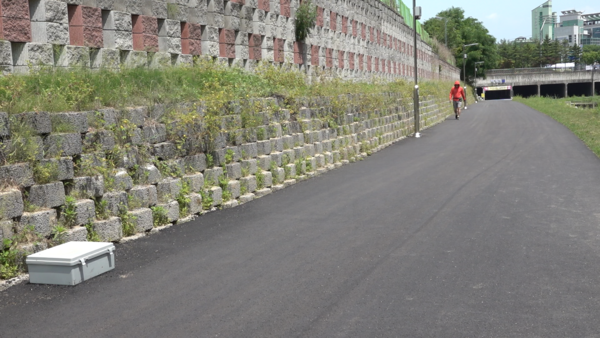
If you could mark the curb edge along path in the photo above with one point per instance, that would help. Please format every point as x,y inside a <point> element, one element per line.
<point>5,284</point>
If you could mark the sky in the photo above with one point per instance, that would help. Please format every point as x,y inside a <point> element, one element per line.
<point>507,19</point>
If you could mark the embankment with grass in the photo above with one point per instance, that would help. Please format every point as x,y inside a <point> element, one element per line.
<point>103,156</point>
<point>583,122</point>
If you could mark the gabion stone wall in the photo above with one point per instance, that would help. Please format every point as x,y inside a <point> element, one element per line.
<point>106,174</point>
<point>354,38</point>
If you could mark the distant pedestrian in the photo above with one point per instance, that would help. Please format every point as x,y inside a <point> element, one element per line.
<point>457,95</point>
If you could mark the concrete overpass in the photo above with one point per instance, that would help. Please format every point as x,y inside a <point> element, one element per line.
<point>504,83</point>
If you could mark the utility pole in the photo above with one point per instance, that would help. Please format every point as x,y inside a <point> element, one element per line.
<point>416,15</point>
<point>445,29</point>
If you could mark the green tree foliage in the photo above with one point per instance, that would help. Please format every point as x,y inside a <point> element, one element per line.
<point>591,54</point>
<point>462,31</point>
<point>516,54</point>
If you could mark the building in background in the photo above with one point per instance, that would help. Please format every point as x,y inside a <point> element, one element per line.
<point>543,21</point>
<point>578,28</point>
<point>591,29</point>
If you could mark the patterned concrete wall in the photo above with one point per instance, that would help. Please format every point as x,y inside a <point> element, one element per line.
<point>355,38</point>
<point>107,172</point>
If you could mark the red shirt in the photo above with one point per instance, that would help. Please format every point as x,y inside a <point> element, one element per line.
<point>457,93</point>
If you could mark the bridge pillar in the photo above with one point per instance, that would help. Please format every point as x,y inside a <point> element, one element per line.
<point>566,90</point>
<point>538,88</point>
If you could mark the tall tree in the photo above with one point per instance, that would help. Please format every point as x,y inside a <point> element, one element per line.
<point>462,31</point>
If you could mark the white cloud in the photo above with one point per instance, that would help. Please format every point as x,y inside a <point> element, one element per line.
<point>492,16</point>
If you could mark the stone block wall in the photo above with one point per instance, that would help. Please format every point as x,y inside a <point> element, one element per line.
<point>106,174</point>
<point>356,39</point>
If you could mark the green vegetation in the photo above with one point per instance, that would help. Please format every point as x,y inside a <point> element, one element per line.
<point>515,54</point>
<point>12,256</point>
<point>585,123</point>
<point>215,84</point>
<point>463,31</point>
<point>306,14</point>
<point>159,216</point>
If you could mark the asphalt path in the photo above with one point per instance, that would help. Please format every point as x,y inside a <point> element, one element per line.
<point>484,227</point>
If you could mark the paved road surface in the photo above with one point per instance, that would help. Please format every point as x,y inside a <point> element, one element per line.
<point>485,227</point>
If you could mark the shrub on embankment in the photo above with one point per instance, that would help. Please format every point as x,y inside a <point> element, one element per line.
<point>144,148</point>
<point>583,122</point>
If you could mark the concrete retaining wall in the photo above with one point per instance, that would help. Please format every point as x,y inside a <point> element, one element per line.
<point>100,174</point>
<point>354,38</point>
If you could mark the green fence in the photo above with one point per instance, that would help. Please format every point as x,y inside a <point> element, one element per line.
<point>405,12</point>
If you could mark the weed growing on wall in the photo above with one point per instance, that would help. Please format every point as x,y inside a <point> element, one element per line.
<point>183,199</point>
<point>11,255</point>
<point>306,15</point>
<point>127,221</point>
<point>159,216</point>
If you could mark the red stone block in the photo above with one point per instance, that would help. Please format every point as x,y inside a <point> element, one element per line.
<point>185,30</point>
<point>227,36</point>
<point>376,64</point>
<point>18,9</point>
<point>354,28</point>
<point>329,53</point>
<point>138,41</point>
<point>195,47</point>
<point>361,63</point>
<point>298,58</point>
<point>297,47</point>
<point>320,16</point>
<point>143,24</point>
<point>75,15</point>
<point>364,31</point>
<point>371,34</point>
<point>185,46</point>
<point>332,20</point>
<point>92,37</point>
<point>351,60</point>
<point>329,62</point>
<point>314,52</point>
<point>255,53</point>
<point>285,9</point>
<point>145,42</point>
<point>92,16</point>
<point>278,55</point>
<point>340,59</point>
<point>227,50</point>
<point>254,40</point>
<point>369,63</point>
<point>15,30</point>
<point>76,35</point>
<point>378,37</point>
<point>195,31</point>
<point>344,25</point>
<point>265,5</point>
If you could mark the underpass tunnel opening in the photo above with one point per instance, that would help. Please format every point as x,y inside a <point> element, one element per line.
<point>497,94</point>
<point>525,91</point>
<point>553,90</point>
<point>579,89</point>
<point>479,91</point>
<point>597,88</point>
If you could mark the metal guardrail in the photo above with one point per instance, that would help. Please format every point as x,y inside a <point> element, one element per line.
<point>519,71</point>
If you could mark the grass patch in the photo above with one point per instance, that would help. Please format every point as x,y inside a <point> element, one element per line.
<point>585,123</point>
<point>57,90</point>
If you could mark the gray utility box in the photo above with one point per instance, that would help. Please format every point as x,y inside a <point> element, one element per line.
<point>71,263</point>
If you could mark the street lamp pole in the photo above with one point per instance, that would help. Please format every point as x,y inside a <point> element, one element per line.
<point>416,15</point>
<point>465,62</point>
<point>445,29</point>
<point>475,71</point>
<point>475,75</point>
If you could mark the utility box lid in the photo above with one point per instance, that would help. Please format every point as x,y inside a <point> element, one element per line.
<point>71,253</point>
